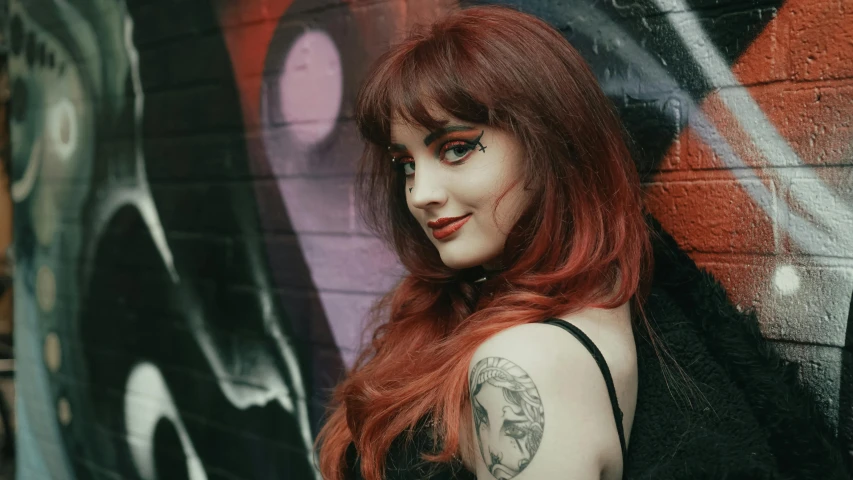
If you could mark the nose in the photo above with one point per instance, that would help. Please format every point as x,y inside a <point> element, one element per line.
<point>427,188</point>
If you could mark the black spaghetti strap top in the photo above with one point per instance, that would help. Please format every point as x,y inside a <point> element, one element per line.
<point>605,371</point>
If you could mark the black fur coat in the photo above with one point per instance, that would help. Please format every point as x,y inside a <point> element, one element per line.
<point>755,420</point>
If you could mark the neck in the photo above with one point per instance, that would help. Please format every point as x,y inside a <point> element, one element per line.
<point>494,265</point>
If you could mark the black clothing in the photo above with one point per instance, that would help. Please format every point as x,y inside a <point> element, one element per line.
<point>742,415</point>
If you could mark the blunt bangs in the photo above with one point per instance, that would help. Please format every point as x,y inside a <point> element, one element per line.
<point>421,81</point>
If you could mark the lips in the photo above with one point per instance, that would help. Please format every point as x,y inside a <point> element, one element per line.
<point>444,221</point>
<point>444,227</point>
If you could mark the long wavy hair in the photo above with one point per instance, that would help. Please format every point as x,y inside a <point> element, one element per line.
<point>581,242</point>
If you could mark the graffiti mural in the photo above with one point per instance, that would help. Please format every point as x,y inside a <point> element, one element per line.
<point>192,280</point>
<point>742,118</point>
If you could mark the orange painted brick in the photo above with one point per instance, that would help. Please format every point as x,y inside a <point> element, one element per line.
<point>712,216</point>
<point>821,45</point>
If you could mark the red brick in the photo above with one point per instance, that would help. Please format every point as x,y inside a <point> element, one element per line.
<point>767,57</point>
<point>821,45</point>
<point>712,216</point>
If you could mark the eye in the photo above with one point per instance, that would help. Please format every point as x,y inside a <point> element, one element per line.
<point>456,150</point>
<point>515,432</point>
<point>406,166</point>
<point>480,414</point>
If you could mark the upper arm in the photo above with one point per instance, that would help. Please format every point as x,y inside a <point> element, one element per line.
<point>540,407</point>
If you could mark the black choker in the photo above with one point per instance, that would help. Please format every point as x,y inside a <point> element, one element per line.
<point>479,274</point>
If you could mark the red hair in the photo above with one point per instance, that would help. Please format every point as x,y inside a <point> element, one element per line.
<point>582,242</point>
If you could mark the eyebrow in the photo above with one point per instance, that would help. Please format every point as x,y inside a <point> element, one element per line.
<point>433,136</point>
<point>444,131</point>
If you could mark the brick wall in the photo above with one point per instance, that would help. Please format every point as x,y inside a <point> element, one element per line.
<point>191,278</point>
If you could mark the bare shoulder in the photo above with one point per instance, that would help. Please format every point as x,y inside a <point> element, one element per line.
<point>540,405</point>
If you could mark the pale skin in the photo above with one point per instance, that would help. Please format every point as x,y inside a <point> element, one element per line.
<point>541,408</point>
<point>579,438</point>
<point>458,172</point>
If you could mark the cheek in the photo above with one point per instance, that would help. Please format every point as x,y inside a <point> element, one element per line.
<point>413,211</point>
<point>508,211</point>
<point>513,450</point>
<point>484,431</point>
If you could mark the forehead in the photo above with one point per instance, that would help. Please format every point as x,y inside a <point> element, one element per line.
<point>401,127</point>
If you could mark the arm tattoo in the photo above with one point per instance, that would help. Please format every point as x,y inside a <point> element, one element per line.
<point>508,416</point>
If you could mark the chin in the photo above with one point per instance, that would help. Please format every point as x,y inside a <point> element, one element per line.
<point>457,265</point>
<point>461,261</point>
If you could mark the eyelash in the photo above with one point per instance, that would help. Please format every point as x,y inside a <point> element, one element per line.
<point>450,145</point>
<point>516,432</point>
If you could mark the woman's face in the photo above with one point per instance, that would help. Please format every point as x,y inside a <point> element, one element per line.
<point>457,171</point>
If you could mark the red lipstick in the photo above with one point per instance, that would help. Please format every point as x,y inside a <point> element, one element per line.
<point>445,226</point>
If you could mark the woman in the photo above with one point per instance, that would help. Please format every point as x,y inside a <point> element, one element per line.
<point>496,168</point>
